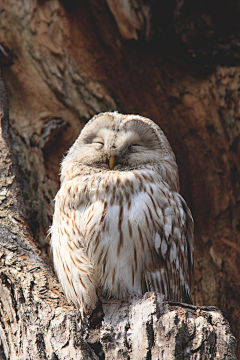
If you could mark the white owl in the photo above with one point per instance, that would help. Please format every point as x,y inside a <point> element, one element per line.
<point>120,226</point>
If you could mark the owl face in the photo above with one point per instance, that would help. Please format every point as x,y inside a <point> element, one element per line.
<point>114,141</point>
<point>117,142</point>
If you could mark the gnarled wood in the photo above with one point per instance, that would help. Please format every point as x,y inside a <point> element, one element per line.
<point>36,322</point>
<point>149,328</point>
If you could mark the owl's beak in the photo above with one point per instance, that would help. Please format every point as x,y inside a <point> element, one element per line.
<point>111,162</point>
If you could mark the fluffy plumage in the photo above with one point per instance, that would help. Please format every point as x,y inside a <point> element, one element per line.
<point>120,226</point>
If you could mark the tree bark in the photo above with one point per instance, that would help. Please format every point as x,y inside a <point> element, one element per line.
<point>63,62</point>
<point>150,328</point>
<point>36,322</point>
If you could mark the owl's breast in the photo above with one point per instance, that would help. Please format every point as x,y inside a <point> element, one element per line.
<point>118,227</point>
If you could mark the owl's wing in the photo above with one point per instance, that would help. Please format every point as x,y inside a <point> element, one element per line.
<point>170,266</point>
<point>71,262</point>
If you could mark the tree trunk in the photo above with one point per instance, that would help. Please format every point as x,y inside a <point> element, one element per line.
<point>63,62</point>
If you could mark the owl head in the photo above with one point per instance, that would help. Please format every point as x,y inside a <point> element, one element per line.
<point>117,142</point>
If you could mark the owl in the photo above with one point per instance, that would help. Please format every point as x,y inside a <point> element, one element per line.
<point>120,226</point>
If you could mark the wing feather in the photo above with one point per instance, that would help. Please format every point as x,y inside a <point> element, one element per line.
<point>171,269</point>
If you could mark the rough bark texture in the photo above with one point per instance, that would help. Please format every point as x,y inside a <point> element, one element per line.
<point>63,62</point>
<point>149,328</point>
<point>36,322</point>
